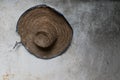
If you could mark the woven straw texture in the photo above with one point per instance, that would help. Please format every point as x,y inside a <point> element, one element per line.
<point>44,32</point>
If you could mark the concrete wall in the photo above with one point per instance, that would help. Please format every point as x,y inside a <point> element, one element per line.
<point>93,55</point>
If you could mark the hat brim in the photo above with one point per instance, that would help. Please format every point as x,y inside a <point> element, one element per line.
<point>26,28</point>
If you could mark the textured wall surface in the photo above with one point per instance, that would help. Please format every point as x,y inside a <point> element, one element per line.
<point>93,55</point>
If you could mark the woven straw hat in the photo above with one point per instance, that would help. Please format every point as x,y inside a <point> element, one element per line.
<point>44,32</point>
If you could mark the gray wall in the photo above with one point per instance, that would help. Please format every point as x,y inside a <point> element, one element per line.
<point>93,55</point>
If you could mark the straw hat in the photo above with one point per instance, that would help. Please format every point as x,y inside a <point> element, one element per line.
<point>44,32</point>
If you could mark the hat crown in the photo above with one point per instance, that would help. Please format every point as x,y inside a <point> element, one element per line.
<point>45,38</point>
